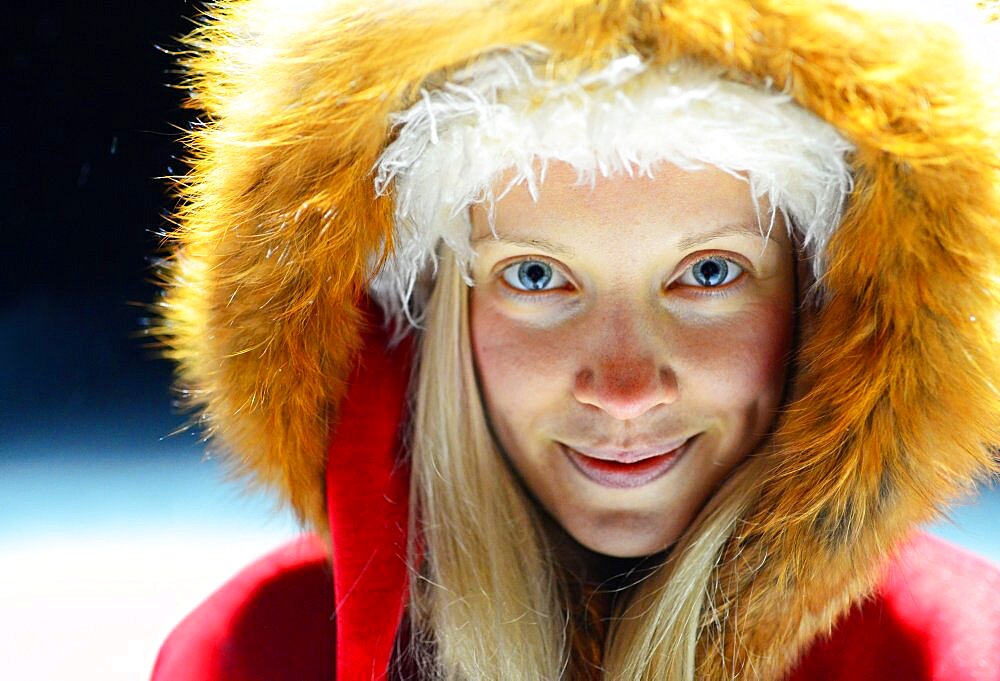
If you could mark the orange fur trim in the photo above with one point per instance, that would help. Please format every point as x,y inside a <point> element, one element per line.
<point>895,396</point>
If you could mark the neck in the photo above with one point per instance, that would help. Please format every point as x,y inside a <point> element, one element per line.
<point>598,571</point>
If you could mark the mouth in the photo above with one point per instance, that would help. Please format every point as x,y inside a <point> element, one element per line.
<point>626,470</point>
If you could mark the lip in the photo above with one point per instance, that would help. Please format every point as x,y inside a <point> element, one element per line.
<point>633,454</point>
<point>625,469</point>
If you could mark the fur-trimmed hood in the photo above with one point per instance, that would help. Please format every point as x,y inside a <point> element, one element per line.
<point>896,403</point>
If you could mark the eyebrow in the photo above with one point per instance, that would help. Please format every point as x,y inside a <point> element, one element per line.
<point>732,229</point>
<point>534,243</point>
<point>684,243</point>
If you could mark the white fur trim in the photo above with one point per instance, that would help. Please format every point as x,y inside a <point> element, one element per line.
<point>498,114</point>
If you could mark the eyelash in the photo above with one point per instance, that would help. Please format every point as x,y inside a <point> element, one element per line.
<point>522,294</point>
<point>713,291</point>
<point>701,291</point>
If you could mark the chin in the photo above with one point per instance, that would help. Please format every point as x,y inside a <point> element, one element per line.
<point>623,540</point>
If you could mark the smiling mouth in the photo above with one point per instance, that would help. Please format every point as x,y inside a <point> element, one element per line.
<point>620,475</point>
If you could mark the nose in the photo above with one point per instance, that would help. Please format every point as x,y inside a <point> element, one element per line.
<point>625,383</point>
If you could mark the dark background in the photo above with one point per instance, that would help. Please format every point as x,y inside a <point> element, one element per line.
<point>92,125</point>
<point>112,528</point>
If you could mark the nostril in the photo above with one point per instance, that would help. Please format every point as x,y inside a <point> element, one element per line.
<point>585,379</point>
<point>668,384</point>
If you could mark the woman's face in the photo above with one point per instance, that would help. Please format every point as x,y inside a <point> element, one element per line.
<point>631,342</point>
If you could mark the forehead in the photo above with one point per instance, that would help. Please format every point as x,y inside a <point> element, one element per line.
<point>683,205</point>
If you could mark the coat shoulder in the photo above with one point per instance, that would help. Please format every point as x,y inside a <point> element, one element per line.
<point>935,615</point>
<point>274,620</point>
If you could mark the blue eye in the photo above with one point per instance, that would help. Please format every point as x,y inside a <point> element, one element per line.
<point>533,275</point>
<point>711,272</point>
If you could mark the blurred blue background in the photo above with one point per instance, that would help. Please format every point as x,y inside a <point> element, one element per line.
<point>111,528</point>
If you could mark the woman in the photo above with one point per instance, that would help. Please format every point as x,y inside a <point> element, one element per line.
<point>699,303</point>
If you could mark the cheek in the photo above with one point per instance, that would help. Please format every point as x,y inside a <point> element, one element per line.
<point>746,361</point>
<point>518,367</point>
<point>767,342</point>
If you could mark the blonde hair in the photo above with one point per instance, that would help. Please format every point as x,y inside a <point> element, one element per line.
<point>485,591</point>
<point>487,599</point>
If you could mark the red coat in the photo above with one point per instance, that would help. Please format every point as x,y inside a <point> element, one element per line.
<point>893,397</point>
<point>935,616</point>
